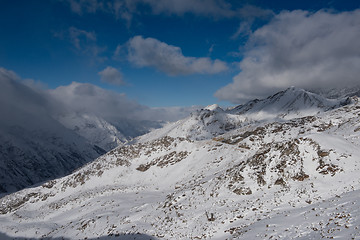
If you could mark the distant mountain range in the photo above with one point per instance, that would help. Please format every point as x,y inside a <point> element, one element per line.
<point>41,139</point>
<point>213,120</point>
<point>283,167</point>
<point>346,91</point>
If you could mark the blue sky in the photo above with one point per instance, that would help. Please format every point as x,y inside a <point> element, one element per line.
<point>181,53</point>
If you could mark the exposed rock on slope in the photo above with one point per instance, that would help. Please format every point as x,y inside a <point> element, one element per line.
<point>295,178</point>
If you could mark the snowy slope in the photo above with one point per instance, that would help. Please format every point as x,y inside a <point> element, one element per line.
<point>290,103</point>
<point>334,93</point>
<point>93,128</point>
<point>42,137</point>
<point>287,179</point>
<point>200,125</point>
<point>103,117</point>
<point>29,157</point>
<point>103,133</point>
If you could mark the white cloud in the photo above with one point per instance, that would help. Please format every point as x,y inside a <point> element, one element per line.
<point>7,75</point>
<point>130,117</point>
<point>81,6</point>
<point>112,106</point>
<point>112,76</point>
<point>211,49</point>
<point>77,35</point>
<point>251,12</point>
<point>85,43</point>
<point>34,109</point>
<point>298,48</point>
<point>244,29</point>
<point>126,9</point>
<point>19,104</point>
<point>248,14</point>
<point>215,8</point>
<point>150,52</point>
<point>85,97</point>
<point>18,97</point>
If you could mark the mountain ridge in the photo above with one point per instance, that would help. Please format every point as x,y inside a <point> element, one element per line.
<point>241,183</point>
<point>34,147</point>
<point>212,120</point>
<point>42,138</point>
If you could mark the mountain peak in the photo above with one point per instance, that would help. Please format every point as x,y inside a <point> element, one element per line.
<point>290,103</point>
<point>213,107</point>
<point>213,121</point>
<point>293,88</point>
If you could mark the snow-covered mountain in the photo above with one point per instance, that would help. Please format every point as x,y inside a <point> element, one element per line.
<point>32,156</point>
<point>104,118</point>
<point>282,178</point>
<point>290,103</point>
<point>93,128</point>
<point>213,120</point>
<point>103,133</point>
<point>334,93</point>
<point>43,137</point>
<point>34,147</point>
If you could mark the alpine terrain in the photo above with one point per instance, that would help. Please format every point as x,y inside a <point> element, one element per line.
<point>34,147</point>
<point>43,139</point>
<point>284,167</point>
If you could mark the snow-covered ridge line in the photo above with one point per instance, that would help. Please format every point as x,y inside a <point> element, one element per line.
<point>292,100</point>
<point>98,131</point>
<point>237,184</point>
<point>213,121</point>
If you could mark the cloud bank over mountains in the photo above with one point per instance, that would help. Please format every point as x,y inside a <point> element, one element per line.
<point>112,106</point>
<point>298,48</point>
<point>18,102</point>
<point>18,96</point>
